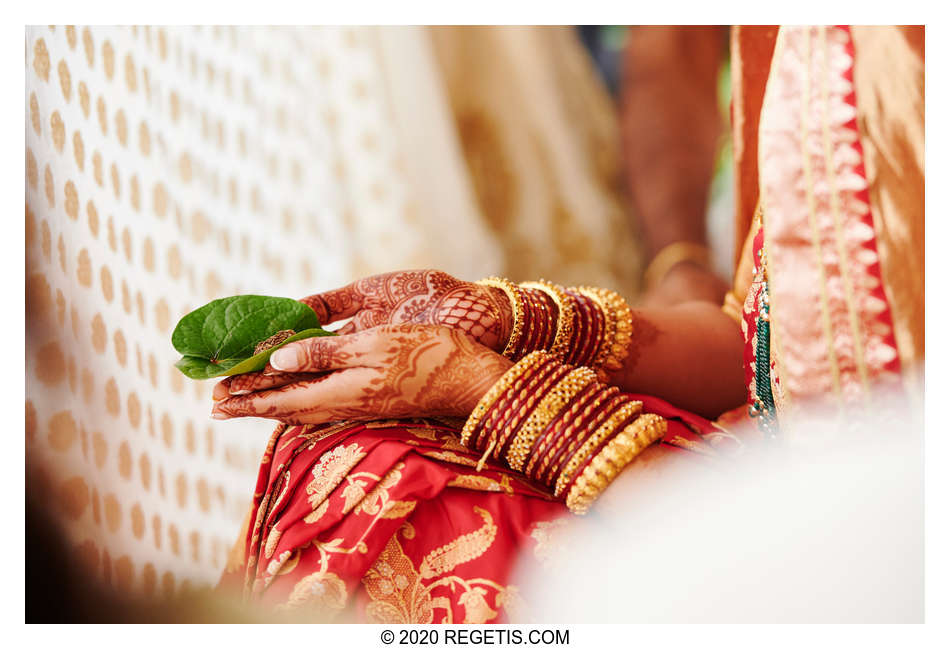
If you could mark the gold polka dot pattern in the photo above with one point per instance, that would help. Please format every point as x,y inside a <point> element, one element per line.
<point>158,176</point>
<point>167,166</point>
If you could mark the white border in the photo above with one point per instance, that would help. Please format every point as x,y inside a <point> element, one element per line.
<point>498,12</point>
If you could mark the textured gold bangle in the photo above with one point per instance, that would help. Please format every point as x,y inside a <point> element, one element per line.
<point>517,310</point>
<point>614,402</point>
<point>565,315</point>
<point>496,390</point>
<point>625,412</point>
<point>534,391</point>
<point>619,331</point>
<point>603,393</point>
<point>548,408</point>
<point>672,255</point>
<point>564,423</point>
<point>498,413</point>
<point>608,464</point>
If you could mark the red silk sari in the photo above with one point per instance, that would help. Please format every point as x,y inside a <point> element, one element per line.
<point>391,522</point>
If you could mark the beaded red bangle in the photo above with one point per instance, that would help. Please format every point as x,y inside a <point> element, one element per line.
<point>608,462</point>
<point>599,327</point>
<point>565,315</point>
<point>526,344</point>
<point>589,342</point>
<point>527,399</point>
<point>546,317</point>
<point>538,321</point>
<point>549,311</point>
<point>619,420</point>
<point>563,456</point>
<point>581,331</point>
<point>575,428</point>
<point>512,399</point>
<point>500,409</point>
<point>546,411</point>
<point>557,427</point>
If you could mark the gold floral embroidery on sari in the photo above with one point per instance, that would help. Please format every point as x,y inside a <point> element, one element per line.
<point>330,470</point>
<point>321,593</point>
<point>396,589</point>
<point>399,596</point>
<point>314,434</point>
<point>477,610</point>
<point>482,483</point>
<point>450,456</point>
<point>511,600</point>
<point>285,562</point>
<point>452,443</point>
<point>353,493</point>
<point>430,434</point>
<point>317,512</point>
<point>272,540</point>
<point>461,550</point>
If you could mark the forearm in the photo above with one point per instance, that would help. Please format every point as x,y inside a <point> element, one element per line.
<point>689,355</point>
<point>671,126</point>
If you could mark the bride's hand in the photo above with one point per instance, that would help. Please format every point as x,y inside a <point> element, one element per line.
<point>391,371</point>
<point>418,296</point>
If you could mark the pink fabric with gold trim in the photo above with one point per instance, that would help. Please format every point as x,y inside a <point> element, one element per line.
<point>832,332</point>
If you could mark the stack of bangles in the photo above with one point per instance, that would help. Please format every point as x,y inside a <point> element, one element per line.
<point>592,327</point>
<point>551,416</point>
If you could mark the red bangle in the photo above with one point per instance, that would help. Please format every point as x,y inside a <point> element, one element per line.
<point>514,404</point>
<point>577,427</point>
<point>563,456</point>
<point>527,399</point>
<point>501,407</point>
<point>581,331</point>
<point>508,402</point>
<point>537,321</point>
<point>548,311</point>
<point>560,424</point>
<point>583,465</point>
<point>598,327</point>
<point>524,346</point>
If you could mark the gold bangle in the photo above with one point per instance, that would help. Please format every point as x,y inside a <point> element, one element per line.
<point>529,396</point>
<point>565,315</point>
<point>517,310</point>
<point>603,394</point>
<point>672,255</point>
<point>626,411</point>
<point>495,391</point>
<point>548,408</point>
<point>608,464</point>
<point>618,329</point>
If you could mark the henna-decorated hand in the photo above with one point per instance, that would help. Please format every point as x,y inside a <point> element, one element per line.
<point>391,371</point>
<point>418,296</point>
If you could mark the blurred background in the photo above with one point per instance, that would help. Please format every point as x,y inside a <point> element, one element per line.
<point>168,166</point>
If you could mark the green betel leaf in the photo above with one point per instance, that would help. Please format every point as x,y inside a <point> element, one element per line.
<point>219,338</point>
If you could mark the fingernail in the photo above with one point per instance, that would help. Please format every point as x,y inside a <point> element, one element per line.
<point>217,414</point>
<point>285,358</point>
<point>238,393</point>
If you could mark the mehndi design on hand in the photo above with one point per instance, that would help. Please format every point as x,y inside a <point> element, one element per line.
<point>405,370</point>
<point>422,297</point>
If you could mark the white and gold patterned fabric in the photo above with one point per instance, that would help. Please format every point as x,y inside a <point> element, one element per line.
<point>169,166</point>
